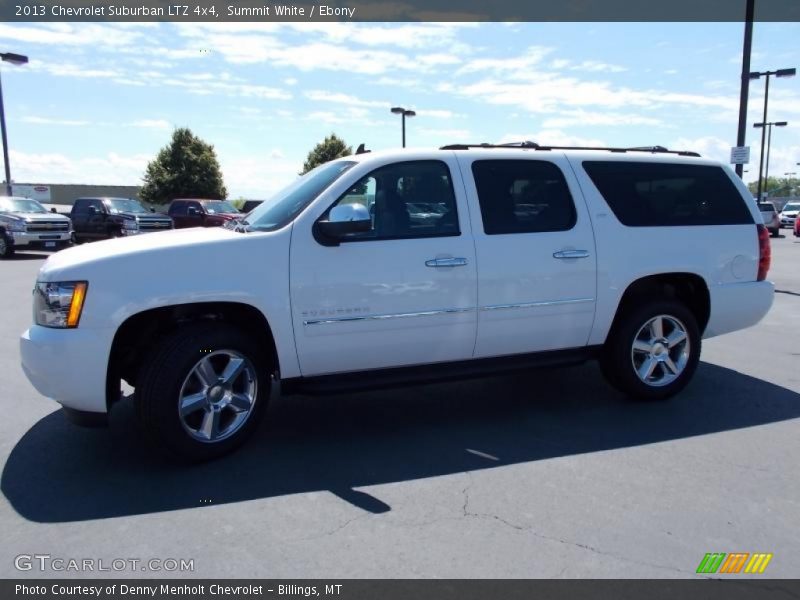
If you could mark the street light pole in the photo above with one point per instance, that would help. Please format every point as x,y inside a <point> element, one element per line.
<point>757,75</point>
<point>745,83</point>
<point>14,59</point>
<point>769,146</point>
<point>399,110</point>
<point>761,156</point>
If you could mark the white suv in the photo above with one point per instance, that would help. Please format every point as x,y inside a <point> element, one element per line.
<point>400,267</point>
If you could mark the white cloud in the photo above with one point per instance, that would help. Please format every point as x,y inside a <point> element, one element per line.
<point>445,136</point>
<point>98,37</point>
<point>258,176</point>
<point>152,124</point>
<point>583,118</point>
<point>595,66</point>
<point>48,121</point>
<point>533,57</point>
<point>111,169</point>
<point>340,98</point>
<point>438,114</point>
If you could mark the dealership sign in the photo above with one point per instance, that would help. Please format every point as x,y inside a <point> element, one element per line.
<point>36,192</point>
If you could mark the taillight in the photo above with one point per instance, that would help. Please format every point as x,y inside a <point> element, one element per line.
<point>764,252</point>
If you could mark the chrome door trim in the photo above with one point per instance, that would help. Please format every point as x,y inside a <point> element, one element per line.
<point>445,311</point>
<point>424,313</point>
<point>537,304</point>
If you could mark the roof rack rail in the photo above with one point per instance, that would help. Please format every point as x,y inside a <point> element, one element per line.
<point>528,145</point>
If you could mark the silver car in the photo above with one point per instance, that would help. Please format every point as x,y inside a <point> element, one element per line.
<point>789,214</point>
<point>770,216</point>
<point>24,223</point>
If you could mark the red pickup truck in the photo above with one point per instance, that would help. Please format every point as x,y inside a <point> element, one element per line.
<point>198,212</point>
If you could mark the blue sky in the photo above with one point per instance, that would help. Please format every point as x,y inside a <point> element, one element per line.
<point>97,101</point>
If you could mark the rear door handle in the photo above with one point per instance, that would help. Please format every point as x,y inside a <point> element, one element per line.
<point>571,254</point>
<point>446,262</point>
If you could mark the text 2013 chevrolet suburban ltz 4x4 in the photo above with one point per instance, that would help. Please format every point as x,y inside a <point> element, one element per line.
<point>403,266</point>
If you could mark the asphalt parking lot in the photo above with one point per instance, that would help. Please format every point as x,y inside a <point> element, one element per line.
<point>546,474</point>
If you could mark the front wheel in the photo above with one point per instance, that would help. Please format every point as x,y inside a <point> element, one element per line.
<point>6,246</point>
<point>653,351</point>
<point>202,393</point>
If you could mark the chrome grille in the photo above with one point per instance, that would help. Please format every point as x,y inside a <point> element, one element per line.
<point>154,225</point>
<point>47,226</point>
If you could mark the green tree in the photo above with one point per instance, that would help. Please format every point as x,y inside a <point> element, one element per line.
<point>328,149</point>
<point>186,168</point>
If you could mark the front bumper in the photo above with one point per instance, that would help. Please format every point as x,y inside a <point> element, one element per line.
<point>68,365</point>
<point>39,238</point>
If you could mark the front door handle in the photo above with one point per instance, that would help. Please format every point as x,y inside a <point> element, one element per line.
<point>446,262</point>
<point>571,254</point>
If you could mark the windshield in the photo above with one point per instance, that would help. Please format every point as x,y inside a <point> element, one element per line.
<point>21,205</point>
<point>792,206</point>
<point>126,205</point>
<point>219,206</point>
<point>284,206</point>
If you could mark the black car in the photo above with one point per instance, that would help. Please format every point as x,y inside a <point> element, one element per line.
<point>103,218</point>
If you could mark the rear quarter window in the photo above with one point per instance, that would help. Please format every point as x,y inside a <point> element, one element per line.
<point>643,194</point>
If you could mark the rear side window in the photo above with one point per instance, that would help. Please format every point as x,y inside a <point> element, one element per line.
<point>178,208</point>
<point>81,207</point>
<point>663,194</point>
<point>522,196</point>
<point>766,207</point>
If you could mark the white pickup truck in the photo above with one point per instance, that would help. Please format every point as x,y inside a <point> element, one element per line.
<point>401,267</point>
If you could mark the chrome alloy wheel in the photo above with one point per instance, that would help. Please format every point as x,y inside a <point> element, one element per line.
<point>217,396</point>
<point>660,350</point>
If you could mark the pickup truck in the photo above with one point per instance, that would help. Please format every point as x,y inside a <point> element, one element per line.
<point>198,212</point>
<point>534,256</point>
<point>105,218</point>
<point>25,223</point>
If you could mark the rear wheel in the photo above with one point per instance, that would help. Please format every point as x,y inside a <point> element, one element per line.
<point>203,392</point>
<point>653,351</point>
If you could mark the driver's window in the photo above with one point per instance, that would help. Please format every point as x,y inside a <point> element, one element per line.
<point>406,200</point>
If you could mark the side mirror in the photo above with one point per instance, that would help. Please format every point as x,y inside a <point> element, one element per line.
<point>152,209</point>
<point>343,220</point>
<point>53,209</point>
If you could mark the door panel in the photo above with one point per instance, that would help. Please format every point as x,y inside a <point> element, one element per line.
<point>373,302</point>
<point>536,255</point>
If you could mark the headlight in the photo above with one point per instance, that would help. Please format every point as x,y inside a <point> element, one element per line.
<point>16,226</point>
<point>130,225</point>
<point>59,304</point>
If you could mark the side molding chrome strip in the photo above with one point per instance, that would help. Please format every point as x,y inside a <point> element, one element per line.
<point>447,311</point>
<point>537,304</point>
<point>426,313</point>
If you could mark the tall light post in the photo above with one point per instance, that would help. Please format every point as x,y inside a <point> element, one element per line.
<point>14,59</point>
<point>759,75</point>
<point>762,126</point>
<point>399,110</point>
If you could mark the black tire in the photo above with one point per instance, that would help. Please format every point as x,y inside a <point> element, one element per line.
<point>6,245</point>
<point>167,372</point>
<point>619,361</point>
